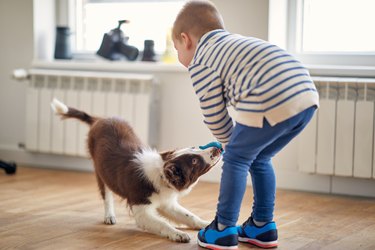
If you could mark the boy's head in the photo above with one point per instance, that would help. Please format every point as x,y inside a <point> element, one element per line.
<point>196,18</point>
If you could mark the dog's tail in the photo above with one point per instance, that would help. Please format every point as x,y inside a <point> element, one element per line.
<point>67,112</point>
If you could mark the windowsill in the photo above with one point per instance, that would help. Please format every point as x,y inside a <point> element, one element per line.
<point>151,67</point>
<point>103,65</point>
<point>341,71</point>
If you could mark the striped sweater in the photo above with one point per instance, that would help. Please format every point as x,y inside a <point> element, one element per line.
<point>258,79</point>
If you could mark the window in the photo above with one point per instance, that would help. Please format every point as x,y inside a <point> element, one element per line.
<point>333,32</point>
<point>149,19</point>
<point>351,28</point>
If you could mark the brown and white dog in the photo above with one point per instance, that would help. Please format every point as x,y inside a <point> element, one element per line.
<point>151,182</point>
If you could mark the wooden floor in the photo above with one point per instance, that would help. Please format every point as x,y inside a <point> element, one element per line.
<point>46,209</point>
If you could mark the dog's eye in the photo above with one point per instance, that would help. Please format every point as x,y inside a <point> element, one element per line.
<point>194,161</point>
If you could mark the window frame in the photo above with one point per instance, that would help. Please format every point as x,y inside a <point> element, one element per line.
<point>294,43</point>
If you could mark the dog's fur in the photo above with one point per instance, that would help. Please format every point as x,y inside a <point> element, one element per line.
<point>151,182</point>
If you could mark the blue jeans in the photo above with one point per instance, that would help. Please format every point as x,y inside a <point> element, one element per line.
<point>251,149</point>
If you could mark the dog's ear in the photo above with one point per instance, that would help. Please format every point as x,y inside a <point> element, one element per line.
<point>174,173</point>
<point>166,156</point>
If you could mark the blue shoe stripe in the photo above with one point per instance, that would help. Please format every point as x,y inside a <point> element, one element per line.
<point>212,236</point>
<point>253,231</point>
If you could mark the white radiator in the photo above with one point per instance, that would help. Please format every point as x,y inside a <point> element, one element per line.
<point>340,138</point>
<point>133,97</point>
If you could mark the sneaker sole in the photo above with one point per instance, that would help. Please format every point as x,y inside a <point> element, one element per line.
<point>258,243</point>
<point>215,247</point>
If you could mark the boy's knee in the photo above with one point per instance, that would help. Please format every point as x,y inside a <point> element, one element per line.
<point>262,161</point>
<point>260,164</point>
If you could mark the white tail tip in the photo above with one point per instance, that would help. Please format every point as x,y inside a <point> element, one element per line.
<point>59,107</point>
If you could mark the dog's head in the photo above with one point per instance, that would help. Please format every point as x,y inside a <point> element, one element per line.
<point>182,168</point>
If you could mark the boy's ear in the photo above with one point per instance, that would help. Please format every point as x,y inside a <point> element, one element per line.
<point>186,39</point>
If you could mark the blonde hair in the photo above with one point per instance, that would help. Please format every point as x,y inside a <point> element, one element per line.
<point>197,17</point>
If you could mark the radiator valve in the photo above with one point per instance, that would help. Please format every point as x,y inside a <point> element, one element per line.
<point>20,74</point>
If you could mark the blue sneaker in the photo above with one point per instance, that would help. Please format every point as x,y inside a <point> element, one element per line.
<point>211,238</point>
<point>264,237</point>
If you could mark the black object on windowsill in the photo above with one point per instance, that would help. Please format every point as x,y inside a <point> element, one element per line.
<point>115,45</point>
<point>149,51</point>
<point>62,43</point>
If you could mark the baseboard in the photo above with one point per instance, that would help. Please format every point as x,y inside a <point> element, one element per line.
<point>51,161</point>
<point>286,178</point>
<point>295,180</point>
<point>353,186</point>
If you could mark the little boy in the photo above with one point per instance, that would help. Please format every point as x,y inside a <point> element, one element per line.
<point>274,99</point>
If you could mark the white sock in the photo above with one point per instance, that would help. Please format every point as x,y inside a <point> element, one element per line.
<point>221,227</point>
<point>259,223</point>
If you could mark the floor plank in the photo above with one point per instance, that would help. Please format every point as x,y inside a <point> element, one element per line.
<point>49,209</point>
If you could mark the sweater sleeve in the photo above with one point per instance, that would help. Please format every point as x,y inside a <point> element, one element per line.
<point>209,88</point>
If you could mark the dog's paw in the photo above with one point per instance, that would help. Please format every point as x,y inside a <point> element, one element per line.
<point>179,237</point>
<point>201,224</point>
<point>110,220</point>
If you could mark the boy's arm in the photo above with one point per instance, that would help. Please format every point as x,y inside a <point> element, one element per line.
<point>210,90</point>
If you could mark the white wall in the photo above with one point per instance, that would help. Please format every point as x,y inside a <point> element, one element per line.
<point>245,17</point>
<point>16,46</point>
